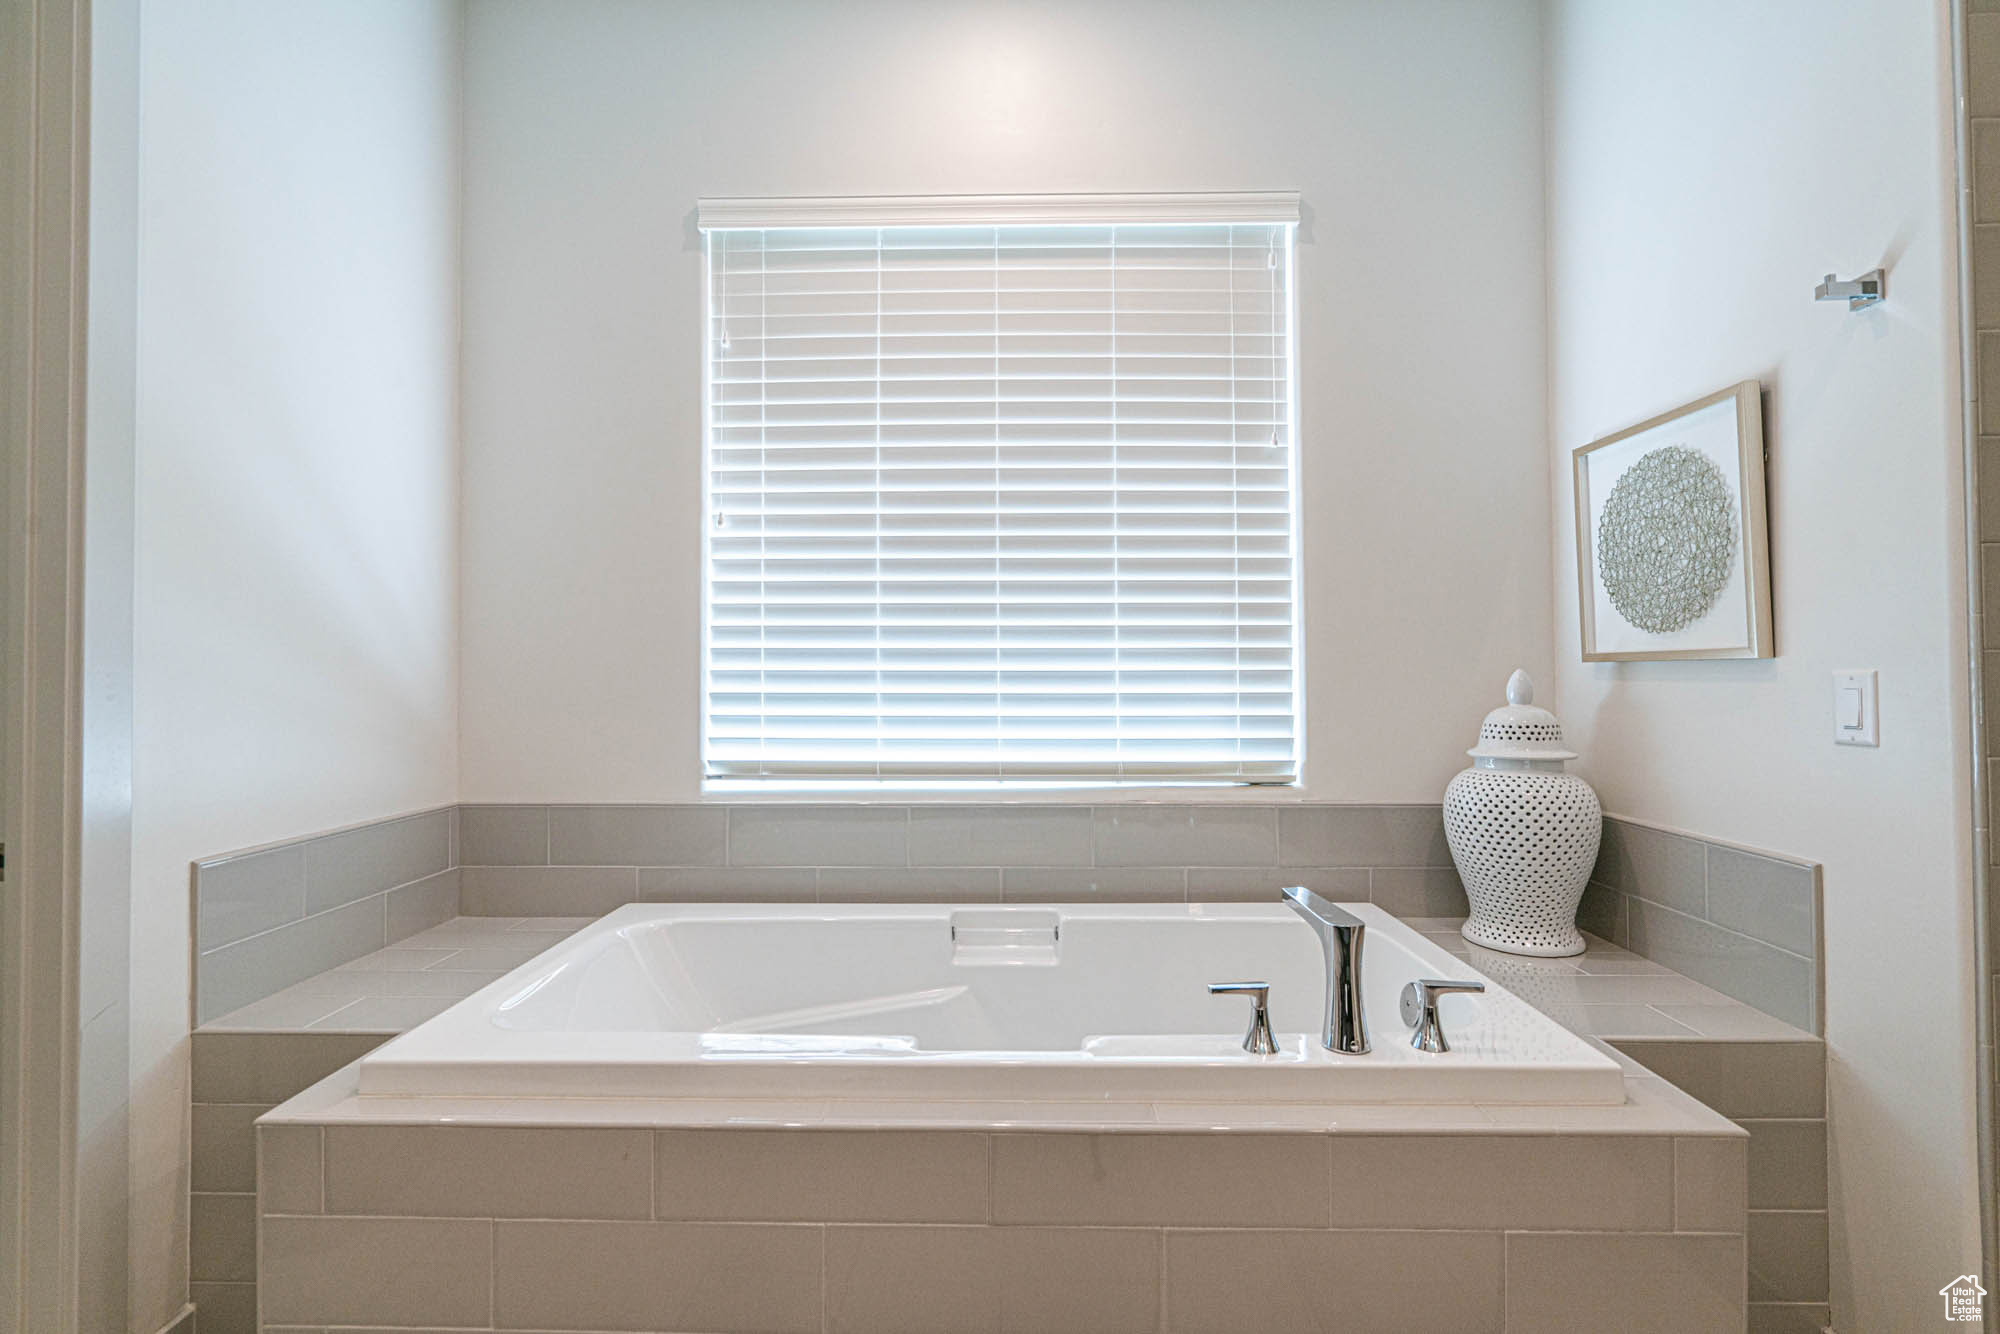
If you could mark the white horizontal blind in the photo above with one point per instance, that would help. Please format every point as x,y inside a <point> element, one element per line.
<point>995,503</point>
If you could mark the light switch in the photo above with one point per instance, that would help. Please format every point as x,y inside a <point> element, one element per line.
<point>1850,708</point>
<point>1856,716</point>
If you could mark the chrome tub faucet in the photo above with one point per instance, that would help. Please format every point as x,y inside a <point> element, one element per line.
<point>1340,933</point>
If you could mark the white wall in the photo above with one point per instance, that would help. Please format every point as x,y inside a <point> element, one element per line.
<point>1707,163</point>
<point>104,1055</point>
<point>1413,131</point>
<point>296,489</point>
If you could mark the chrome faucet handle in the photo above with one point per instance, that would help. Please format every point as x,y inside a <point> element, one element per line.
<point>1258,1041</point>
<point>1420,1010</point>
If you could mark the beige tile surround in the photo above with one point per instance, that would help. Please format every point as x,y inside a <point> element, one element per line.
<point>747,1224</point>
<point>353,932</point>
<point>719,1206</point>
<point>1743,921</point>
<point>267,920</point>
<point>1766,1075</point>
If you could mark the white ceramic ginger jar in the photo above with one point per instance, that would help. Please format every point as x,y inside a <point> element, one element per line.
<point>1523,832</point>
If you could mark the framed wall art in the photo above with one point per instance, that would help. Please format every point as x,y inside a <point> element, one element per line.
<point>1672,558</point>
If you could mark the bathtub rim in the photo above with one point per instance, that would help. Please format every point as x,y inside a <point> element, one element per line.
<point>425,1062</point>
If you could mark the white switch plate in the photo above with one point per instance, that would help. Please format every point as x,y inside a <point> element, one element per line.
<point>1856,714</point>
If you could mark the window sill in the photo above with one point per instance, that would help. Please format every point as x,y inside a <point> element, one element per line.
<point>750,789</point>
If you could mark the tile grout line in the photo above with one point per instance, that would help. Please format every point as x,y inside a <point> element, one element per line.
<point>257,1170</point>
<point>1740,935</point>
<point>286,926</point>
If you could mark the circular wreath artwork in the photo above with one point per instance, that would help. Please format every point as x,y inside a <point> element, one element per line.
<point>1667,541</point>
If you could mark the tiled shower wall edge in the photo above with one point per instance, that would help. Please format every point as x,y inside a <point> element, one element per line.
<point>267,917</point>
<point>1981,44</point>
<point>1742,921</point>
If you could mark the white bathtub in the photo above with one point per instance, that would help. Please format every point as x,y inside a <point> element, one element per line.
<point>1064,1001</point>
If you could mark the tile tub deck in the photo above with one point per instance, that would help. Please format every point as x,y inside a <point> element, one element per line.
<point>1606,992</point>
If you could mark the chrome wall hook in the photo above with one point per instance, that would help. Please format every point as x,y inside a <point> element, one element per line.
<point>1859,293</point>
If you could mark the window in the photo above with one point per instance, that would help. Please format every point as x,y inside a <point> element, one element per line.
<point>1001,489</point>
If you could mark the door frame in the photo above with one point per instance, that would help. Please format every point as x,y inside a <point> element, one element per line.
<point>44,101</point>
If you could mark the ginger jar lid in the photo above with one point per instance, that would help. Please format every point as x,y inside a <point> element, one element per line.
<point>1519,730</point>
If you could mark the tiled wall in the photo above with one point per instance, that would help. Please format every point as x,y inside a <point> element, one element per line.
<point>276,915</point>
<point>1777,1092</point>
<point>237,1078</point>
<point>1982,47</point>
<point>524,860</point>
<point>1745,923</point>
<point>934,1231</point>
<point>1742,922</point>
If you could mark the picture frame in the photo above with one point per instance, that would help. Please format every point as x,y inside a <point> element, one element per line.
<point>1672,544</point>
